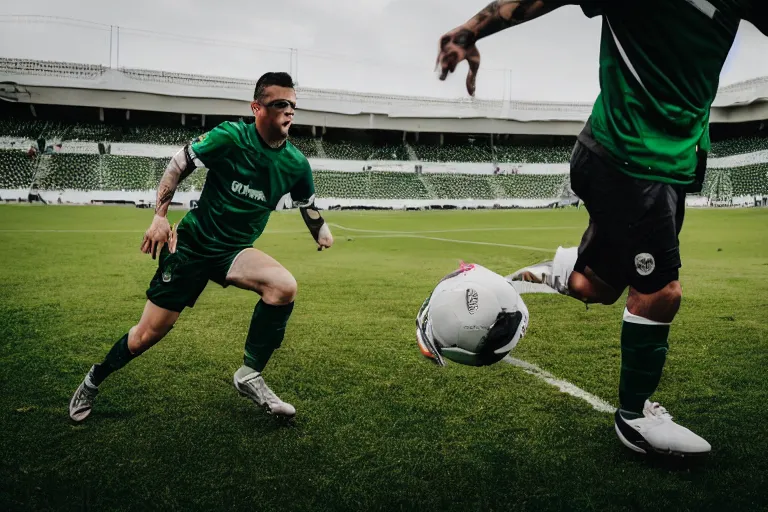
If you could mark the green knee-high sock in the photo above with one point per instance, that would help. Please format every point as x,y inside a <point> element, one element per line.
<point>643,353</point>
<point>117,357</point>
<point>265,333</point>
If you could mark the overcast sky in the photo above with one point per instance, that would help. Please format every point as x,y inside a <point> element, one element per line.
<point>386,46</point>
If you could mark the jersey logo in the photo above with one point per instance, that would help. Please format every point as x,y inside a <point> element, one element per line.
<point>645,264</point>
<point>245,190</point>
<point>705,7</point>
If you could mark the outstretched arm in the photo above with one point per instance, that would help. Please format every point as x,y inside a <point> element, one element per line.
<point>160,232</point>
<point>459,44</point>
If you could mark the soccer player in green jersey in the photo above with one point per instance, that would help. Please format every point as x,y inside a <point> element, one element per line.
<point>250,168</point>
<point>643,148</point>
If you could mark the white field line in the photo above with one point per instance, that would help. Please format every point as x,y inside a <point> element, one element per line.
<point>457,230</point>
<point>470,242</point>
<point>564,386</point>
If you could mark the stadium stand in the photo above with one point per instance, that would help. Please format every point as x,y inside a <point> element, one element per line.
<point>70,171</point>
<point>16,169</point>
<point>739,146</point>
<point>750,180</point>
<point>531,186</point>
<point>533,154</point>
<point>461,186</point>
<point>78,167</point>
<point>453,153</point>
<point>353,185</point>
<point>50,68</point>
<point>306,145</point>
<point>397,185</point>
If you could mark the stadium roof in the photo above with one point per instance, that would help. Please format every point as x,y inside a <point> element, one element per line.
<point>49,82</point>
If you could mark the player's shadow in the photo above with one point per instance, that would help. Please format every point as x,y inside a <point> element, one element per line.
<point>672,463</point>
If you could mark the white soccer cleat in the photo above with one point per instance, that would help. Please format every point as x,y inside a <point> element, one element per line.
<point>655,431</point>
<point>81,404</point>
<point>250,384</point>
<point>547,277</point>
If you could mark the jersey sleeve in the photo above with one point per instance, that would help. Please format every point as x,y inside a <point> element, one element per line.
<point>303,192</point>
<point>210,146</point>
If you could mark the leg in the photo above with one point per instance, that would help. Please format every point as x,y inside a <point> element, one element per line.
<point>256,271</point>
<point>574,267</point>
<point>154,324</point>
<point>177,283</point>
<point>654,300</point>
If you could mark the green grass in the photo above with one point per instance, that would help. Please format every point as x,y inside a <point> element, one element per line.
<point>378,427</point>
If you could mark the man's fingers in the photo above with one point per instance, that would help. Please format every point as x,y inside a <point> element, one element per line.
<point>145,245</point>
<point>473,58</point>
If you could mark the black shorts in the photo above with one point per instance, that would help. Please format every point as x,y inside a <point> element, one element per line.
<point>181,277</point>
<point>632,238</point>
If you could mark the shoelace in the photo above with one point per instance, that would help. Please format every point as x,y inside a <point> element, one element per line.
<point>84,396</point>
<point>660,411</point>
<point>262,390</point>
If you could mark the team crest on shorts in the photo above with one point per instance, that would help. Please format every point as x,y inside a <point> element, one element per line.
<point>645,264</point>
<point>167,275</point>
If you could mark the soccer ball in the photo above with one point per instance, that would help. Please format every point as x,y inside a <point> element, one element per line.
<point>474,317</point>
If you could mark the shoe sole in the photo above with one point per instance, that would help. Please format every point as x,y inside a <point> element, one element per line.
<point>249,397</point>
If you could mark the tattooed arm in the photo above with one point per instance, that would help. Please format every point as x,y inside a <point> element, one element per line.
<point>459,44</point>
<point>160,231</point>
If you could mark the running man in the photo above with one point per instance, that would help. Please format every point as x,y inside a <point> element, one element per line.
<point>250,168</point>
<point>644,146</point>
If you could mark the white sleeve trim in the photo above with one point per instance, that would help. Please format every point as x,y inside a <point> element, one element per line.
<point>192,156</point>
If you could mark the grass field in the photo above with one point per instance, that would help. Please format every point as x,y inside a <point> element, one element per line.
<point>378,426</point>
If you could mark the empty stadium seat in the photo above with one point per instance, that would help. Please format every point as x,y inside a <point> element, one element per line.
<point>739,146</point>
<point>16,169</point>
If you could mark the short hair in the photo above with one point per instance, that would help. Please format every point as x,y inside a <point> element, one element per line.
<point>281,79</point>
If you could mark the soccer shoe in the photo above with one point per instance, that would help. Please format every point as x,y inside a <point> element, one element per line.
<point>82,401</point>
<point>250,384</point>
<point>655,431</point>
<point>547,277</point>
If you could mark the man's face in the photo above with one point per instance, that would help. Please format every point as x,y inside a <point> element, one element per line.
<point>274,111</point>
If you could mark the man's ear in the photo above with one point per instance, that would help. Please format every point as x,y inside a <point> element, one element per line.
<point>255,107</point>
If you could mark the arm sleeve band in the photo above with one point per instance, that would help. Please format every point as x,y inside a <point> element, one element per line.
<point>312,219</point>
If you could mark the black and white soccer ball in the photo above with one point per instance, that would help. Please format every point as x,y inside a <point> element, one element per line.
<point>474,317</point>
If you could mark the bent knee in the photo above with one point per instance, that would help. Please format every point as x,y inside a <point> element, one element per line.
<point>582,288</point>
<point>142,337</point>
<point>672,294</point>
<point>282,291</point>
<point>660,306</point>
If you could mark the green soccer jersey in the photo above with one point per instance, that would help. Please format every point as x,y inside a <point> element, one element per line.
<point>660,64</point>
<point>246,180</point>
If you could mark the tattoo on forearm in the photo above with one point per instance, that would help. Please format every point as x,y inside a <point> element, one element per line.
<point>502,14</point>
<point>174,174</point>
